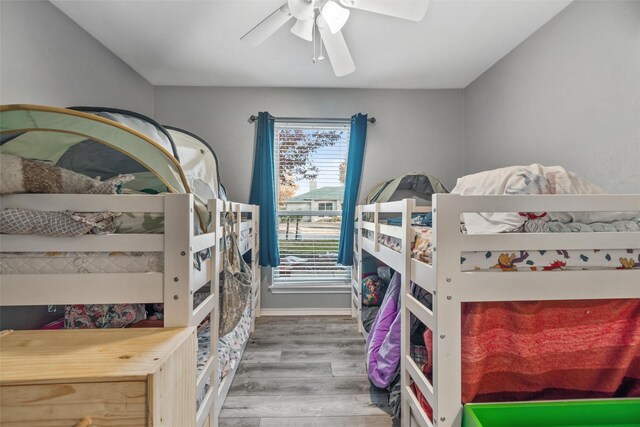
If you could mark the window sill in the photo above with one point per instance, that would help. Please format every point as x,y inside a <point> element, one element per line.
<point>310,289</point>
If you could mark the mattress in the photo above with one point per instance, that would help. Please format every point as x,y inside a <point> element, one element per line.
<point>522,260</point>
<point>80,262</point>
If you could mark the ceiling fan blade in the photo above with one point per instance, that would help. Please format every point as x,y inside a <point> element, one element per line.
<point>337,49</point>
<point>268,26</point>
<point>304,29</point>
<point>301,9</point>
<point>412,10</point>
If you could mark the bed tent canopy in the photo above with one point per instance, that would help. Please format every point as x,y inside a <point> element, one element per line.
<point>417,185</point>
<point>105,142</point>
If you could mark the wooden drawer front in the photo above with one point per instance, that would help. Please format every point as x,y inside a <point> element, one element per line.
<point>65,405</point>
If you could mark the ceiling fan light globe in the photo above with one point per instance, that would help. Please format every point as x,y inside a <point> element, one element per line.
<point>334,15</point>
<point>304,29</point>
<point>301,9</point>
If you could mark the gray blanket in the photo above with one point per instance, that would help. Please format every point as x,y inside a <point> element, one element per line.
<point>539,225</point>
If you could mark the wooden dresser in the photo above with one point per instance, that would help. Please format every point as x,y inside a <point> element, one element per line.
<point>109,377</point>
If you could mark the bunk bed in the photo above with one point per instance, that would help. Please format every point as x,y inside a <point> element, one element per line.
<point>435,395</point>
<point>419,186</point>
<point>182,236</point>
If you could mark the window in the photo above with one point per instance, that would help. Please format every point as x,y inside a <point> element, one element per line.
<point>310,162</point>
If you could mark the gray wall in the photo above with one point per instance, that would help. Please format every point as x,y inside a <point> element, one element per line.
<point>48,59</point>
<point>417,130</point>
<point>569,95</point>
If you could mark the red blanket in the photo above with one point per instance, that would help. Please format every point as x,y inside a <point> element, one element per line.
<point>548,350</point>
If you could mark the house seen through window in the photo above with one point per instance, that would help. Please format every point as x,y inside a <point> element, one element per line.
<point>310,163</point>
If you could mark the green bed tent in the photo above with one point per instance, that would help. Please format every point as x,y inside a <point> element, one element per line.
<point>51,134</point>
<point>103,142</point>
<point>418,185</point>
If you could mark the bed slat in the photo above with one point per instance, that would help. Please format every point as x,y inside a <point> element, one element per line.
<point>422,274</point>
<point>98,288</point>
<point>80,202</point>
<point>203,241</point>
<point>420,311</point>
<point>390,257</point>
<point>89,243</point>
<point>420,380</point>
<point>417,411</point>
<point>548,285</point>
<point>549,241</point>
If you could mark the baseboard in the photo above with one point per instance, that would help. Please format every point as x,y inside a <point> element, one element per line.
<point>305,312</point>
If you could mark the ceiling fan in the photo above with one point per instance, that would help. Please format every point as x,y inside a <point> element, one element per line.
<point>329,16</point>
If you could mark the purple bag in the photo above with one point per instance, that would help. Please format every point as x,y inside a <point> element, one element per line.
<point>383,344</point>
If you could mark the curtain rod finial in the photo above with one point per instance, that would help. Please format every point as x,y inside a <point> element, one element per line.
<point>253,118</point>
<point>372,120</point>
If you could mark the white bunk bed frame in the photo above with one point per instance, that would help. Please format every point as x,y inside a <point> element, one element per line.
<point>356,274</point>
<point>451,287</point>
<point>174,286</point>
<point>393,259</point>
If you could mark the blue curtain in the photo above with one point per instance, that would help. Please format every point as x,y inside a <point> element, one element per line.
<point>352,186</point>
<point>263,191</point>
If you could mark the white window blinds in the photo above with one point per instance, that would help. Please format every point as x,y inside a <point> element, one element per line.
<point>310,164</point>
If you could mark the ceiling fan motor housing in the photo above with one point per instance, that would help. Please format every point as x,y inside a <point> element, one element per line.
<point>301,9</point>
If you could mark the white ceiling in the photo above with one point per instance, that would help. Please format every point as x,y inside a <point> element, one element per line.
<point>187,42</point>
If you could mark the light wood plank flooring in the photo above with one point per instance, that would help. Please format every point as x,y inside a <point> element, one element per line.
<point>304,371</point>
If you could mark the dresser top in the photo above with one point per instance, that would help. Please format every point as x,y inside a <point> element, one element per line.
<point>41,357</point>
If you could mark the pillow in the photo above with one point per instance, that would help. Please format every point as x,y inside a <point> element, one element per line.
<point>373,290</point>
<point>384,273</point>
<point>19,175</point>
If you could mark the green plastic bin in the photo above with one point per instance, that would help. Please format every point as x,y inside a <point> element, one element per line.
<point>583,413</point>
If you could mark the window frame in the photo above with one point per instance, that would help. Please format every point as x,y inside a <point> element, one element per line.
<point>326,205</point>
<point>320,285</point>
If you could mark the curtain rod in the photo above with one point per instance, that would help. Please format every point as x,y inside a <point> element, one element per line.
<point>254,118</point>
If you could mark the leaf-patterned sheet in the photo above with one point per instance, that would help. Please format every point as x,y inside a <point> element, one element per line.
<point>523,260</point>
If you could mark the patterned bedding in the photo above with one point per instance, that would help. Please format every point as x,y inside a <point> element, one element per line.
<point>229,348</point>
<point>531,260</point>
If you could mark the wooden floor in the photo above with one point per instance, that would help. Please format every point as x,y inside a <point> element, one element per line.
<point>304,371</point>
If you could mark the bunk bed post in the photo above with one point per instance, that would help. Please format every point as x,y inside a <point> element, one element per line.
<point>178,235</point>
<point>359,268</point>
<point>216,207</point>
<point>256,255</point>
<point>376,227</point>
<point>356,272</point>
<point>405,315</point>
<point>238,218</point>
<point>255,285</point>
<point>447,334</point>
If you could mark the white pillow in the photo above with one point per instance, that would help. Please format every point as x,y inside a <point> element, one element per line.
<point>533,179</point>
